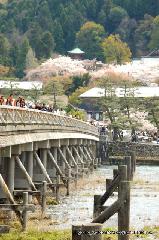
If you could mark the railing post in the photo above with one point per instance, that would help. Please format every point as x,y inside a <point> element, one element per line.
<point>57,187</point>
<point>68,181</point>
<point>124,212</point>
<point>97,206</point>
<point>129,167</point>
<point>43,200</point>
<point>24,213</point>
<point>133,158</point>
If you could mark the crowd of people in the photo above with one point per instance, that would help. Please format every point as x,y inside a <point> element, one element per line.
<point>20,102</point>
<point>11,101</point>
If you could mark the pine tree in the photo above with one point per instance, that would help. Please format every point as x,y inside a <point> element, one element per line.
<point>31,60</point>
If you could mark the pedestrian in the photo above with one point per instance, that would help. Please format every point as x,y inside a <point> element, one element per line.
<point>10,100</point>
<point>2,100</point>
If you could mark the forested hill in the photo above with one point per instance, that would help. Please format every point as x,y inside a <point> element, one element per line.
<point>49,26</point>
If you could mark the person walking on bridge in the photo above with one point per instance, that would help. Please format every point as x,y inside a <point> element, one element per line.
<point>10,100</point>
<point>2,100</point>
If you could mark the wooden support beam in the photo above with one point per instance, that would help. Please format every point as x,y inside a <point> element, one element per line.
<point>71,156</point>
<point>44,192</point>
<point>110,190</point>
<point>75,164</point>
<point>64,158</point>
<point>10,198</point>
<point>124,212</point>
<point>133,158</point>
<point>128,163</point>
<point>43,169</point>
<point>87,152</point>
<point>56,166</point>
<point>83,154</point>
<point>77,154</point>
<point>10,173</point>
<point>57,187</point>
<point>24,212</point>
<point>28,178</point>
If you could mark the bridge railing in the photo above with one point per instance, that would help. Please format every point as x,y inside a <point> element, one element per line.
<point>15,116</point>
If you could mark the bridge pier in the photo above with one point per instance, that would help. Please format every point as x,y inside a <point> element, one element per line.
<point>10,173</point>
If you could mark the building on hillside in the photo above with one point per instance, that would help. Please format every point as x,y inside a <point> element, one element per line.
<point>24,85</point>
<point>76,53</point>
<point>92,96</point>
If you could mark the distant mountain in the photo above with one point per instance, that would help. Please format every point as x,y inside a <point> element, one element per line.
<point>48,26</point>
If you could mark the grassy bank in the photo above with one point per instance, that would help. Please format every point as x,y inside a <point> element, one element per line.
<point>32,235</point>
<point>66,235</point>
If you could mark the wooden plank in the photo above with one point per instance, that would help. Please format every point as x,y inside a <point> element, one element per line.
<point>108,212</point>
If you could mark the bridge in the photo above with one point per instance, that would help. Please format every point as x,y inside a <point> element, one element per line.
<point>37,147</point>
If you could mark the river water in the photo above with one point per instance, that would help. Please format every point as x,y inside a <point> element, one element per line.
<point>78,207</point>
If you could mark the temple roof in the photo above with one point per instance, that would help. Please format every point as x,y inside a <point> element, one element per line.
<point>76,51</point>
<point>119,92</point>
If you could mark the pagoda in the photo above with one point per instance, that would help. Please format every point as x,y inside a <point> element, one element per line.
<point>76,53</point>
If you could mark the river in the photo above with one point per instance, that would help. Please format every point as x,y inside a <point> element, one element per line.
<point>78,207</point>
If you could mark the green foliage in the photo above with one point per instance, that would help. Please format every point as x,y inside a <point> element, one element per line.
<point>154,42</point>
<point>4,50</point>
<point>89,39</point>
<point>116,15</point>
<point>115,50</point>
<point>53,25</point>
<point>78,81</point>
<point>21,58</point>
<point>60,85</point>
<point>143,34</point>
<point>74,98</point>
<point>31,60</point>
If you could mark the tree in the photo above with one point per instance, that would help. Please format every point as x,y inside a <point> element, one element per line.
<point>142,35</point>
<point>116,15</point>
<point>151,105</point>
<point>31,60</point>
<point>47,45</point>
<point>21,59</point>
<point>154,42</point>
<point>58,36</point>
<point>119,110</point>
<point>115,50</point>
<point>78,81</point>
<point>4,50</point>
<point>89,39</point>
<point>126,30</point>
<point>74,98</point>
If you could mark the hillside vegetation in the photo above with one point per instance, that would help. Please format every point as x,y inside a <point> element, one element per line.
<point>32,30</point>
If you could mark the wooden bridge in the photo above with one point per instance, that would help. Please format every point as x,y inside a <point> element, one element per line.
<point>40,151</point>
